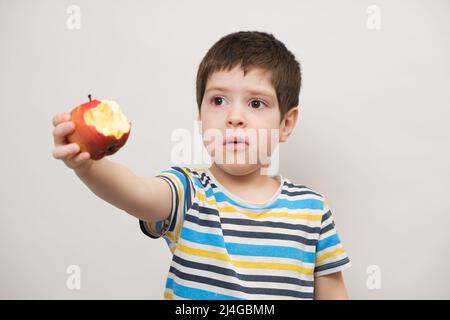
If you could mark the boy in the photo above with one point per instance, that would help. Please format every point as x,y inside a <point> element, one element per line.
<point>234,232</point>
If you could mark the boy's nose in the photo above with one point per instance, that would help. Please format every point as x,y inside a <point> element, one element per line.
<point>235,123</point>
<point>235,117</point>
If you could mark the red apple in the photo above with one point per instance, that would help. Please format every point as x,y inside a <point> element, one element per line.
<point>100,128</point>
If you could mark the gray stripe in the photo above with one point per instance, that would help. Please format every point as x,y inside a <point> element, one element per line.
<point>205,210</point>
<point>282,225</point>
<point>269,235</point>
<point>327,228</point>
<point>326,216</point>
<point>299,193</point>
<point>332,265</point>
<point>201,222</point>
<point>174,213</point>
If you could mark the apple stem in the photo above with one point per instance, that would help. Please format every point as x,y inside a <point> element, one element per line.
<point>89,96</point>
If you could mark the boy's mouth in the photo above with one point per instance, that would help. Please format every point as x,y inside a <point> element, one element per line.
<point>236,140</point>
<point>236,143</point>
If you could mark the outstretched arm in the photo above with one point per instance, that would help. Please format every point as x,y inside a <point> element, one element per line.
<point>330,287</point>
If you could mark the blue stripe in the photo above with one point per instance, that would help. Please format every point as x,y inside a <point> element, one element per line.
<point>328,242</point>
<point>247,249</point>
<point>203,238</point>
<point>270,251</point>
<point>197,294</point>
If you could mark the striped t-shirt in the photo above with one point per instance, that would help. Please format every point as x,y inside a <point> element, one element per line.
<point>227,248</point>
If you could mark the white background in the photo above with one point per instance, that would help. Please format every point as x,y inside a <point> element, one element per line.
<point>372,135</point>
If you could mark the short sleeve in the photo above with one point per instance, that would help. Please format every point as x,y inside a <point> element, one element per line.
<point>331,256</point>
<point>182,187</point>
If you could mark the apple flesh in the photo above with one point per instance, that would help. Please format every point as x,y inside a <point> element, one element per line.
<point>100,128</point>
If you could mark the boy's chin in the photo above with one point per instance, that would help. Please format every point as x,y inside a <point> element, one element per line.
<point>238,169</point>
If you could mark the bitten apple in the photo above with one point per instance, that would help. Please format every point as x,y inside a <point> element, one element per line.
<point>100,128</point>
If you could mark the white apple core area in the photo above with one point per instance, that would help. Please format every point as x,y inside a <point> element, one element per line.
<point>108,119</point>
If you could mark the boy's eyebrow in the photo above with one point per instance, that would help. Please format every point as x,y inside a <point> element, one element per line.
<point>252,91</point>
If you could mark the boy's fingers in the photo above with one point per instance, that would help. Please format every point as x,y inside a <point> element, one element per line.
<point>66,151</point>
<point>77,160</point>
<point>65,116</point>
<point>83,156</point>
<point>61,131</point>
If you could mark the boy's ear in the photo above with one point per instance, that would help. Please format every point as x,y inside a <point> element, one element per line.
<point>288,123</point>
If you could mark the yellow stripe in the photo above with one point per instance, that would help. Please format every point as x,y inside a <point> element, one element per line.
<point>244,264</point>
<point>168,295</point>
<point>252,215</point>
<point>152,226</point>
<point>329,255</point>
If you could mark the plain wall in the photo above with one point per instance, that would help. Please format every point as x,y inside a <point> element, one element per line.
<point>372,134</point>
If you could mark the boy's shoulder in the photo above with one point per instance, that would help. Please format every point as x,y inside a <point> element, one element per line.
<point>303,192</point>
<point>300,189</point>
<point>289,188</point>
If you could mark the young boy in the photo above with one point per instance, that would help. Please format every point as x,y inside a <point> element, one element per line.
<point>234,232</point>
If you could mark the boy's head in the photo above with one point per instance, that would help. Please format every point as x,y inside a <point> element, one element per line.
<point>249,81</point>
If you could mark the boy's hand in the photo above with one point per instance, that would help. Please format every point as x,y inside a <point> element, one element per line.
<point>69,153</point>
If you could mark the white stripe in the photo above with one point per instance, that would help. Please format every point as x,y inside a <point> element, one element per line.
<point>327,234</point>
<point>333,270</point>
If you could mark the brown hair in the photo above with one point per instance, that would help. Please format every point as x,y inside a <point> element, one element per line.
<point>252,49</point>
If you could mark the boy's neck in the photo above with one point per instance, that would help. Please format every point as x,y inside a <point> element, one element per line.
<point>247,186</point>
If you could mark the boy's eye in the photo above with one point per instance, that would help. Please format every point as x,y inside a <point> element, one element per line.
<point>257,104</point>
<point>217,100</point>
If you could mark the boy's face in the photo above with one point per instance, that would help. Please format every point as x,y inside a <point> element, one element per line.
<point>244,107</point>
